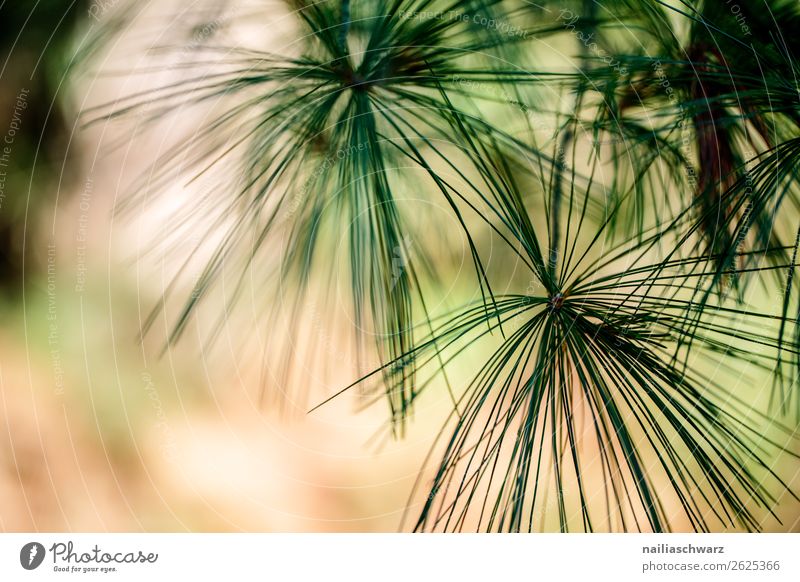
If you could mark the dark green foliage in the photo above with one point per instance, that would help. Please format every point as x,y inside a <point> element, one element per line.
<point>658,198</point>
<point>34,132</point>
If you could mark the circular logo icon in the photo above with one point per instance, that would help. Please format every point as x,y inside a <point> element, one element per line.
<point>31,555</point>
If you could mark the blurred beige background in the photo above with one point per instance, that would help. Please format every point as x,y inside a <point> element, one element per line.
<point>101,432</point>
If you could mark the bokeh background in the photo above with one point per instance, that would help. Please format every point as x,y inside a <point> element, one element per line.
<point>100,429</point>
<point>104,429</point>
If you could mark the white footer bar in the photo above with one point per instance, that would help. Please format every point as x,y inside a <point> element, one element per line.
<point>401,557</point>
